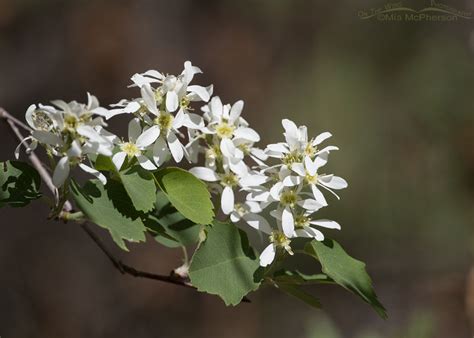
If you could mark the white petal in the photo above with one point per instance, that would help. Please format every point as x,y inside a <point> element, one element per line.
<point>291,181</point>
<point>299,169</point>
<point>310,233</point>
<point>247,134</point>
<point>46,137</point>
<point>318,195</point>
<point>94,172</point>
<point>333,182</point>
<point>258,222</point>
<point>311,166</point>
<point>176,147</point>
<point>321,160</point>
<point>227,200</point>
<point>326,223</point>
<point>118,159</point>
<point>61,172</point>
<point>268,255</point>
<point>160,151</point>
<point>179,119</point>
<point>149,98</point>
<point>205,174</point>
<point>234,217</point>
<point>200,91</point>
<point>327,149</point>
<point>253,180</point>
<point>291,132</point>
<point>310,204</point>
<point>145,163</point>
<point>320,138</point>
<point>75,150</point>
<point>172,101</point>
<point>228,148</point>
<point>235,111</point>
<point>148,137</point>
<point>288,222</point>
<point>134,129</point>
<point>275,191</point>
<point>216,106</point>
<point>278,147</point>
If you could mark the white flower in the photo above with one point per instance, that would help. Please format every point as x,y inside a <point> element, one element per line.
<point>297,145</point>
<point>249,213</point>
<point>226,183</point>
<point>307,173</point>
<point>70,131</point>
<point>138,142</point>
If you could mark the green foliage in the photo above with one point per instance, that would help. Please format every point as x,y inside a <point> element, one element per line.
<point>298,278</point>
<point>346,271</point>
<point>178,230</point>
<point>110,207</point>
<point>225,264</point>
<point>298,292</point>
<point>19,183</point>
<point>187,194</point>
<point>104,163</point>
<point>140,187</point>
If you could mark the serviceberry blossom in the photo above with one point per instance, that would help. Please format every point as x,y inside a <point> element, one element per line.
<point>70,131</point>
<point>164,126</point>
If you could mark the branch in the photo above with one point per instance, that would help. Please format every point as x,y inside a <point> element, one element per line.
<point>172,278</point>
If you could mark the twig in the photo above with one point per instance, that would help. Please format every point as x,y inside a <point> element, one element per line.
<point>67,208</point>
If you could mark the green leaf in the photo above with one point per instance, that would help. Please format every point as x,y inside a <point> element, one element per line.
<point>298,292</point>
<point>298,278</point>
<point>346,271</point>
<point>104,163</point>
<point>140,186</point>
<point>225,264</point>
<point>19,183</point>
<point>187,194</point>
<point>109,207</point>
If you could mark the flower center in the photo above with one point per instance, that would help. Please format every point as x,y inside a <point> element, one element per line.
<point>289,197</point>
<point>184,103</point>
<point>280,240</point>
<point>292,157</point>
<point>225,130</point>
<point>165,121</point>
<point>130,149</point>
<point>310,150</point>
<point>240,209</point>
<point>311,179</point>
<point>70,122</point>
<point>41,120</point>
<point>229,180</point>
<point>301,221</point>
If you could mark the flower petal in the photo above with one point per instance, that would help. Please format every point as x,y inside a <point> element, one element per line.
<point>148,137</point>
<point>61,172</point>
<point>268,255</point>
<point>176,147</point>
<point>235,111</point>
<point>288,222</point>
<point>246,134</point>
<point>326,223</point>
<point>118,159</point>
<point>321,137</point>
<point>227,200</point>
<point>172,101</point>
<point>258,222</point>
<point>145,163</point>
<point>205,174</point>
<point>333,182</point>
<point>94,172</point>
<point>160,151</point>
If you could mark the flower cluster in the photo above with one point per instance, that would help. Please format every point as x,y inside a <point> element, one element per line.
<point>163,126</point>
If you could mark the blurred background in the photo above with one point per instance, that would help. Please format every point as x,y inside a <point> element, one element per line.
<point>397,96</point>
